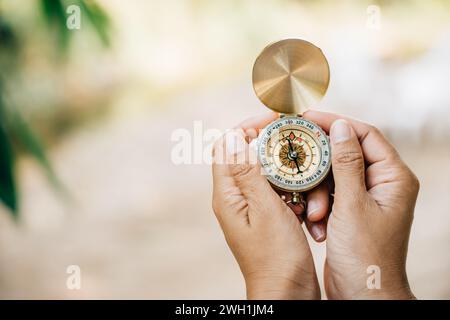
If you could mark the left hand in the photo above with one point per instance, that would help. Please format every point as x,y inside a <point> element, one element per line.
<point>264,234</point>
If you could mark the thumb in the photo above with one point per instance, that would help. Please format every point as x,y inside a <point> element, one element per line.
<point>244,168</point>
<point>347,161</point>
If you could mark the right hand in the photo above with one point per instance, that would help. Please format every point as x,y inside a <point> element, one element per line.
<point>372,213</point>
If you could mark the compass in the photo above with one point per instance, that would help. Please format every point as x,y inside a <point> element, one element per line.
<point>290,77</point>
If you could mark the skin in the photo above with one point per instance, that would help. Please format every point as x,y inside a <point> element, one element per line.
<point>367,223</point>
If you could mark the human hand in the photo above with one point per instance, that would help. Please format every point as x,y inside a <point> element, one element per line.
<point>263,232</point>
<point>372,213</point>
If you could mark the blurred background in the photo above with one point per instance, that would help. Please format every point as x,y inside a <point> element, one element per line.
<point>87,117</point>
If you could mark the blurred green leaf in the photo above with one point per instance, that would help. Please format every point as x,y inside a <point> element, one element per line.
<point>13,126</point>
<point>8,194</point>
<point>8,39</point>
<point>32,144</point>
<point>9,47</point>
<point>98,18</point>
<point>54,12</point>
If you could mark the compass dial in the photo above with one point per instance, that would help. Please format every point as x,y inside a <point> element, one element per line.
<point>294,154</point>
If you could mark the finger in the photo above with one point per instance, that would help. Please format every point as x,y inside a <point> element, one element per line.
<point>223,183</point>
<point>347,161</point>
<point>318,201</point>
<point>298,209</point>
<point>250,128</point>
<point>253,125</point>
<point>219,166</point>
<point>317,230</point>
<point>246,171</point>
<point>374,145</point>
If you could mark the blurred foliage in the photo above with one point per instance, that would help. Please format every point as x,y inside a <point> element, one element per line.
<point>56,17</point>
<point>14,128</point>
<point>7,185</point>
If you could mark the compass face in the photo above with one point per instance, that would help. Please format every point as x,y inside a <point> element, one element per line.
<point>294,154</point>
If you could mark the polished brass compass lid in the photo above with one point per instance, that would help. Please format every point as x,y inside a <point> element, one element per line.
<point>290,76</point>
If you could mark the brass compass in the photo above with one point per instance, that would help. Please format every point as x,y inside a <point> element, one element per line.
<point>289,77</point>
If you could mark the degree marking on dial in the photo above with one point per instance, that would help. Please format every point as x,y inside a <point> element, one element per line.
<point>314,140</point>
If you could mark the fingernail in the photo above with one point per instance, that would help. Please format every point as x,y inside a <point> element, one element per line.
<point>340,131</point>
<point>234,143</point>
<point>312,208</point>
<point>317,232</point>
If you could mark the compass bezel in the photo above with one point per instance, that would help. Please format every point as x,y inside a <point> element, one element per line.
<point>305,126</point>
